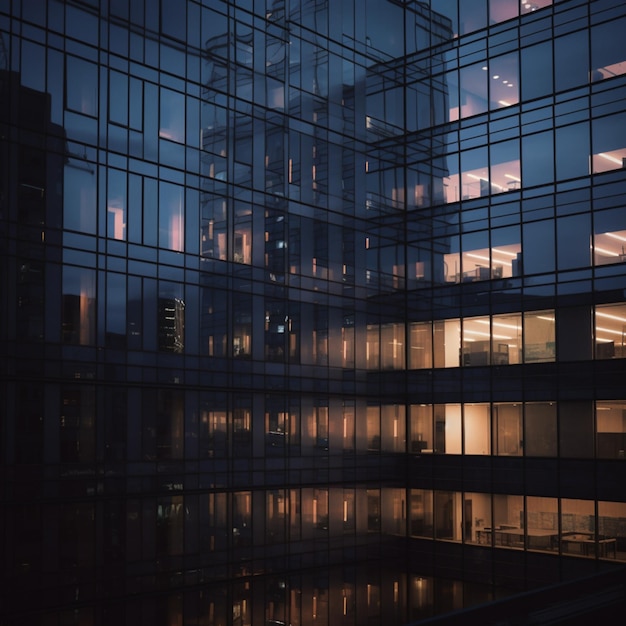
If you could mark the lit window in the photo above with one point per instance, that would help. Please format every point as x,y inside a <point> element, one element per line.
<point>609,247</point>
<point>610,331</point>
<point>611,429</point>
<point>539,336</point>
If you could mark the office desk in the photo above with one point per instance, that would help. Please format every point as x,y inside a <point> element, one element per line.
<point>537,538</point>
<point>585,544</point>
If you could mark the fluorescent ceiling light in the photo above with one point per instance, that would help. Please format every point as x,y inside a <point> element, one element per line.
<point>608,330</point>
<point>603,251</point>
<point>608,157</point>
<point>499,324</point>
<point>610,317</point>
<point>482,334</point>
<point>477,256</point>
<point>511,254</point>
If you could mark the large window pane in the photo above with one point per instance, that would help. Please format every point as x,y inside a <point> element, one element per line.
<point>421,416</point>
<point>537,159</point>
<point>611,429</point>
<point>608,55</point>
<point>476,341</point>
<point>448,515</point>
<point>573,237</point>
<point>475,174</point>
<point>421,513</point>
<point>508,521</point>
<point>477,518</point>
<point>578,527</point>
<point>393,428</point>
<point>171,317</point>
<point>542,524</point>
<point>612,530</point>
<point>472,15</point>
<point>79,196</point>
<point>81,86</point>
<point>116,204</point>
<point>540,437</point>
<point>477,431</point>
<point>448,438</point>
<point>171,217</point>
<point>420,345</point>
<point>537,70</point>
<point>610,331</point>
<point>609,236</point>
<point>609,142</point>
<point>504,80</point>
<point>447,342</point>
<point>571,60</point>
<point>475,261</point>
<point>539,336</point>
<point>474,81</point>
<point>539,237</point>
<point>501,10</point>
<point>572,151</point>
<point>506,339</point>
<point>505,166</point>
<point>576,429</point>
<point>79,306</point>
<point>508,439</point>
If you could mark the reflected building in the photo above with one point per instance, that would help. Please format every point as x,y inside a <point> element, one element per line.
<point>315,310</point>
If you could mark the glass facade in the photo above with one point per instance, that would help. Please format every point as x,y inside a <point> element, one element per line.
<point>295,287</point>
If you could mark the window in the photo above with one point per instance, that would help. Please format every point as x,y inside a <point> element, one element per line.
<point>608,143</point>
<point>609,240</point>
<point>448,515</point>
<point>81,86</point>
<point>116,205</point>
<point>578,528</point>
<point>477,518</point>
<point>392,346</point>
<point>480,261</point>
<point>540,434</point>
<point>171,317</point>
<point>542,524</point>
<point>608,57</point>
<point>79,196</point>
<point>508,521</point>
<point>503,77</point>
<point>539,337</point>
<point>447,342</point>
<point>393,427</point>
<point>612,530</point>
<point>498,345</point>
<point>421,513</point>
<point>448,429</point>
<point>508,438</point>
<point>610,331</point>
<point>79,306</point>
<point>213,429</point>
<point>611,429</point>
<point>477,429</point>
<point>421,428</point>
<point>393,509</point>
<point>171,217</point>
<point>420,345</point>
<point>77,435</point>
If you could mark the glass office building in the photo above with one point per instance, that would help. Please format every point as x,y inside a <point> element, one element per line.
<point>314,311</point>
